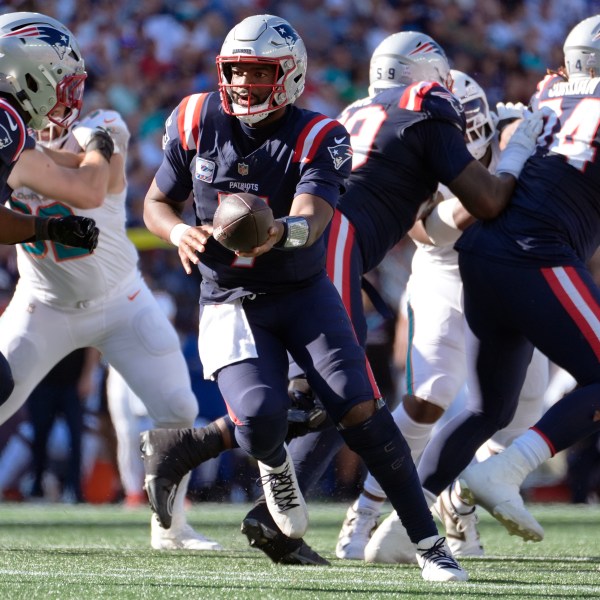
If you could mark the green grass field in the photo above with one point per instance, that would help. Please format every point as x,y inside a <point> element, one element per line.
<point>87,552</point>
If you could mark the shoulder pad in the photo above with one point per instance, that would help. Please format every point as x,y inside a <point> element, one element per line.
<point>435,100</point>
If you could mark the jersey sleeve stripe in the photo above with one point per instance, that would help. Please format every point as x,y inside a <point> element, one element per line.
<point>188,120</point>
<point>20,126</point>
<point>576,299</point>
<point>412,98</point>
<point>308,144</point>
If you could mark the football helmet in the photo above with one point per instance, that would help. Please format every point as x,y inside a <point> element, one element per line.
<point>481,126</point>
<point>407,57</point>
<point>264,39</point>
<point>41,68</point>
<point>582,48</point>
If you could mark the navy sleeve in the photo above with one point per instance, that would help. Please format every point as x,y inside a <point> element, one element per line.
<point>442,146</point>
<point>324,175</point>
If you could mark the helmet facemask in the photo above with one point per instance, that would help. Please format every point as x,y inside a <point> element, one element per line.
<point>480,124</point>
<point>275,99</point>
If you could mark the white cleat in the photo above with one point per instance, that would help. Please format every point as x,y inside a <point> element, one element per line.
<point>179,538</point>
<point>390,543</point>
<point>356,532</point>
<point>284,498</point>
<point>492,485</point>
<point>462,535</point>
<point>436,561</point>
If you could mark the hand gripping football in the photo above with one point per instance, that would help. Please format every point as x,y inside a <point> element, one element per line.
<point>242,221</point>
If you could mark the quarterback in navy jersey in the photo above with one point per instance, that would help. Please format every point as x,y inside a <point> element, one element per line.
<point>526,284</point>
<point>257,306</point>
<point>41,80</point>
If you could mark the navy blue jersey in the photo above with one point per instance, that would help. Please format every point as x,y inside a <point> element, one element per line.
<point>554,215</point>
<point>208,153</point>
<point>13,140</point>
<point>405,140</point>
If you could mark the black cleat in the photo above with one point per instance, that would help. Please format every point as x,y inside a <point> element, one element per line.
<point>169,455</point>
<point>164,471</point>
<point>262,533</point>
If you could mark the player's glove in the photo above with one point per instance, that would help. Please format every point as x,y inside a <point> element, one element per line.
<point>306,414</point>
<point>522,144</point>
<point>75,231</point>
<point>508,112</point>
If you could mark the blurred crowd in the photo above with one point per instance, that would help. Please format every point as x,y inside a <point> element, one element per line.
<point>143,57</point>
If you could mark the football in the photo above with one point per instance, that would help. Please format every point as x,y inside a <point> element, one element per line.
<point>242,221</point>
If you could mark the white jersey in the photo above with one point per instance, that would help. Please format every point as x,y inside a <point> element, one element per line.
<point>71,276</point>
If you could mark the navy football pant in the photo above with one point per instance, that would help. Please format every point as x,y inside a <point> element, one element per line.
<point>510,309</point>
<point>312,324</point>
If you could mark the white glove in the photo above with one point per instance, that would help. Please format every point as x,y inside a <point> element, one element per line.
<point>510,111</point>
<point>522,144</point>
<point>107,119</point>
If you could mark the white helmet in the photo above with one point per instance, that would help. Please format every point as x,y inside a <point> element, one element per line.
<point>480,124</point>
<point>582,48</point>
<point>407,57</point>
<point>263,39</point>
<point>40,67</point>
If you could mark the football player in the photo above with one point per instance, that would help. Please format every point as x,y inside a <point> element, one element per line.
<point>41,68</point>
<point>257,306</point>
<point>526,284</point>
<point>437,350</point>
<point>408,101</point>
<point>67,298</point>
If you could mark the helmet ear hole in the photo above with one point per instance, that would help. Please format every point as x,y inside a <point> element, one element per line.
<point>32,84</point>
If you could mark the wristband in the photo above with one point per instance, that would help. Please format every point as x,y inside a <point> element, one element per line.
<point>295,234</point>
<point>41,228</point>
<point>177,233</point>
<point>440,225</point>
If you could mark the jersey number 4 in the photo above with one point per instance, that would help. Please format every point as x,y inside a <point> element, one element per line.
<point>576,139</point>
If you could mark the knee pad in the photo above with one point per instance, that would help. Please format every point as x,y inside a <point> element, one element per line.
<point>263,436</point>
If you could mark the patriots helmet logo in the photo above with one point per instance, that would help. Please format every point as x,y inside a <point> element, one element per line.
<point>59,40</point>
<point>427,48</point>
<point>288,33</point>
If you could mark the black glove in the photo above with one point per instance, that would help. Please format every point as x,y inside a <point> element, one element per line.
<point>307,413</point>
<point>79,232</point>
<point>100,140</point>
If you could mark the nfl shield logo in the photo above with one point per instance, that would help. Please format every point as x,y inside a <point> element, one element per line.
<point>242,169</point>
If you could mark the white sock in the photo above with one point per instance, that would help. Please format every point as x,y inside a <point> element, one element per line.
<point>416,434</point>
<point>365,502</point>
<point>371,485</point>
<point>533,449</point>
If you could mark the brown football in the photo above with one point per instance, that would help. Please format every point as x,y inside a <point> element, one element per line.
<point>242,221</point>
